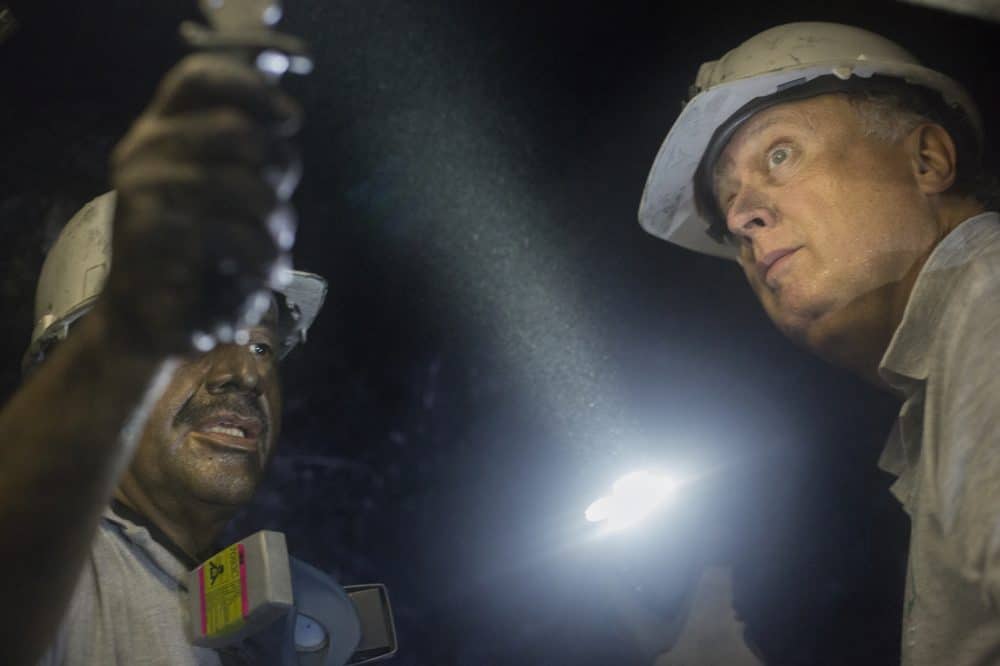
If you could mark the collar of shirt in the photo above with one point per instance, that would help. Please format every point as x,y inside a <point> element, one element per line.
<point>905,359</point>
<point>905,364</point>
<point>144,535</point>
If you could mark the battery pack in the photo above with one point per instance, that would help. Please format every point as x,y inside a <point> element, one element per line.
<point>239,590</point>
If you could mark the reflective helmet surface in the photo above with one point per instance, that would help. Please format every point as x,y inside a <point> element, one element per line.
<point>770,66</point>
<point>77,266</point>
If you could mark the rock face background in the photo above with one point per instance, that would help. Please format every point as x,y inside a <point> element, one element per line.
<point>501,339</point>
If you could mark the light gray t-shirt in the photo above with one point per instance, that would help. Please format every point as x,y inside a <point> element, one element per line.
<point>945,448</point>
<point>129,607</point>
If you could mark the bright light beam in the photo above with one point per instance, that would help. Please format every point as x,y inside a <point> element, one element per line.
<point>633,498</point>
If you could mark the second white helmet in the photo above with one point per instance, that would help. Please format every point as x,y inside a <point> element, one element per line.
<point>77,266</point>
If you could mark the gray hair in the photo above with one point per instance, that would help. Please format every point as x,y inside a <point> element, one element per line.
<point>885,117</point>
<point>890,118</point>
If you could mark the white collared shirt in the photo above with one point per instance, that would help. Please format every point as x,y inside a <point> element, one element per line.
<point>944,358</point>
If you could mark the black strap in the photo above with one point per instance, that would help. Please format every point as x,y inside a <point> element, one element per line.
<point>159,536</point>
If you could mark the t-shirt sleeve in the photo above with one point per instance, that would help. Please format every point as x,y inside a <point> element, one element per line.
<point>964,465</point>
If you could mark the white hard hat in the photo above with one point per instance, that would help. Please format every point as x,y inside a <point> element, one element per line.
<point>789,62</point>
<point>77,266</point>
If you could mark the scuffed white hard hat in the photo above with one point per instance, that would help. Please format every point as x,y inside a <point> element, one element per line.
<point>792,61</point>
<point>77,266</point>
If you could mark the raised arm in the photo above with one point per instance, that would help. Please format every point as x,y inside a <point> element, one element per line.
<point>201,180</point>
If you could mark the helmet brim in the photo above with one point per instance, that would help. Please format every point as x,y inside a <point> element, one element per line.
<point>668,209</point>
<point>302,299</point>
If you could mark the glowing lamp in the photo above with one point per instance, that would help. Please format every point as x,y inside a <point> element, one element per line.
<point>633,498</point>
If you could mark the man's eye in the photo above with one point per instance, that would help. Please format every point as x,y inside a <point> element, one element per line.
<point>778,156</point>
<point>260,349</point>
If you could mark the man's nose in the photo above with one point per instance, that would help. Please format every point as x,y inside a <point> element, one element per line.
<point>749,214</point>
<point>232,368</point>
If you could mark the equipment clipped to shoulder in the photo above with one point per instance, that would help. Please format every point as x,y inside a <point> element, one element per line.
<point>238,597</point>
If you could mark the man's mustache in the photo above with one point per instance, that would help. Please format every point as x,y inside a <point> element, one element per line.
<point>195,412</point>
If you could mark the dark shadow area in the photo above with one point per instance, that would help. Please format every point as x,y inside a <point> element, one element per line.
<point>501,337</point>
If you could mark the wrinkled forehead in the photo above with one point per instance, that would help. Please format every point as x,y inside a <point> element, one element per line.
<point>782,116</point>
<point>810,115</point>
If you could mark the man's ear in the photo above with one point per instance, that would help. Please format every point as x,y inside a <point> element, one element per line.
<point>934,157</point>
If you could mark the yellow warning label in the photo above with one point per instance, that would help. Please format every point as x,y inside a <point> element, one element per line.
<point>222,585</point>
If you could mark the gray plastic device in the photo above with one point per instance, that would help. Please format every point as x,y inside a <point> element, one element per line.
<point>240,594</point>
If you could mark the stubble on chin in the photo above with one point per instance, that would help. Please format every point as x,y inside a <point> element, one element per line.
<point>792,315</point>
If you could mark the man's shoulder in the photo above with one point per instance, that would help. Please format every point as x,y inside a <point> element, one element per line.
<point>973,286</point>
<point>125,608</point>
<point>968,316</point>
<point>968,263</point>
<point>100,589</point>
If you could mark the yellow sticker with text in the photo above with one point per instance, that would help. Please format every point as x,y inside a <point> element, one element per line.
<point>222,585</point>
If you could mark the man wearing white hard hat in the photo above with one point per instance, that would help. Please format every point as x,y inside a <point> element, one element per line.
<point>844,178</point>
<point>152,399</point>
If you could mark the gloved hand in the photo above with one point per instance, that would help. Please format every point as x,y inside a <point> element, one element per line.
<point>202,225</point>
